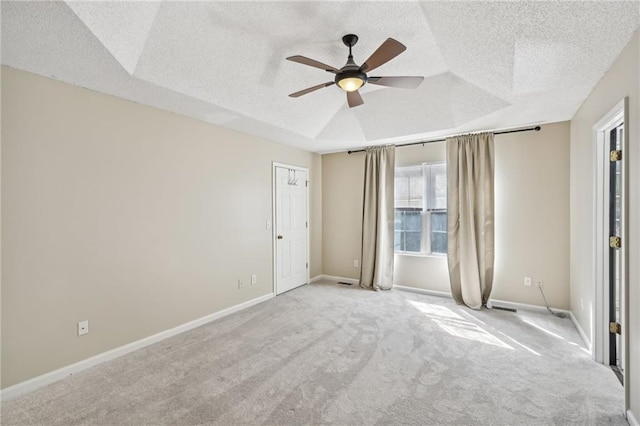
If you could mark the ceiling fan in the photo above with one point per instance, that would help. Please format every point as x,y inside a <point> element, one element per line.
<point>352,77</point>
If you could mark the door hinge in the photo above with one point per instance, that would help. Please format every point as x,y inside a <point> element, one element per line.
<point>306,224</point>
<point>306,183</point>
<point>615,155</point>
<point>615,242</point>
<point>307,265</point>
<point>615,328</point>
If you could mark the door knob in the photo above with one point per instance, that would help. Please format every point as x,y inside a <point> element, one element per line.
<point>279,237</point>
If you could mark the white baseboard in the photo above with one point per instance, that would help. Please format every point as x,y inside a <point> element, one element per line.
<point>336,279</point>
<point>61,373</point>
<point>632,419</point>
<point>506,304</point>
<point>501,303</point>
<point>423,291</point>
<point>581,332</point>
<point>524,306</point>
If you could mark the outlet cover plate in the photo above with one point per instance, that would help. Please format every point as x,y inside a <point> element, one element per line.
<point>83,328</point>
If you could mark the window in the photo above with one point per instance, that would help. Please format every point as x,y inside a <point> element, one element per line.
<point>421,209</point>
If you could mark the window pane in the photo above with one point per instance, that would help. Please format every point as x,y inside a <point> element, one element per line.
<point>439,242</point>
<point>416,184</point>
<point>438,189</point>
<point>412,241</point>
<point>438,232</point>
<point>408,230</point>
<point>409,183</point>
<point>412,221</point>
<point>397,241</point>
<point>398,222</point>
<point>439,221</point>
<point>401,191</point>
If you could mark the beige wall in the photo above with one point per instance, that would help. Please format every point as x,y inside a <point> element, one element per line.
<point>532,217</point>
<point>621,80</point>
<point>136,219</point>
<point>0,231</point>
<point>342,189</point>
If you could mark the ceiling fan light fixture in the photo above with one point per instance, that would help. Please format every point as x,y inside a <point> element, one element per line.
<point>350,82</point>
<point>352,76</point>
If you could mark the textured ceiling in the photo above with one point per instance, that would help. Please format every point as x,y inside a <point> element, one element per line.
<point>487,65</point>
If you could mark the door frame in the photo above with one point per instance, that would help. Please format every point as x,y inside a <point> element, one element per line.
<point>274,249</point>
<point>600,319</point>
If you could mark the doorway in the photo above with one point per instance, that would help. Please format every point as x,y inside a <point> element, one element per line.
<point>615,273</point>
<point>291,227</point>
<point>611,290</point>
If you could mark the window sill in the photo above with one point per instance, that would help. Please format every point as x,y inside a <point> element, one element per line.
<point>429,255</point>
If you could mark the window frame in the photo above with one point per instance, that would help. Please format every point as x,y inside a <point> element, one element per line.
<point>425,212</point>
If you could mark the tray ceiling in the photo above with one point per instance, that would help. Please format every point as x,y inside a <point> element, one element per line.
<point>487,65</point>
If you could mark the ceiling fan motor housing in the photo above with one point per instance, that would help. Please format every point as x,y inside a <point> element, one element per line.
<point>350,78</point>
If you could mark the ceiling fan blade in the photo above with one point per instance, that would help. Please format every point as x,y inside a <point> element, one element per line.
<point>354,99</point>
<point>311,89</point>
<point>313,63</point>
<point>386,52</point>
<point>400,82</point>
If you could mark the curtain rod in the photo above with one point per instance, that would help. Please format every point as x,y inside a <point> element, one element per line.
<point>503,132</point>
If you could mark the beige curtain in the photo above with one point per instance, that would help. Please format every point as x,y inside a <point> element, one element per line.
<point>377,219</point>
<point>470,222</point>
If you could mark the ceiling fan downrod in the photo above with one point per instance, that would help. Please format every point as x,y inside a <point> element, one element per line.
<point>350,77</point>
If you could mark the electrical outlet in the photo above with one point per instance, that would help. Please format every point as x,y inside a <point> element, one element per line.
<point>268,224</point>
<point>254,279</point>
<point>539,283</point>
<point>527,281</point>
<point>240,284</point>
<point>83,327</point>
<point>356,264</point>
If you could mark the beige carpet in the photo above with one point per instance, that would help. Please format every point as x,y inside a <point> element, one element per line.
<point>333,354</point>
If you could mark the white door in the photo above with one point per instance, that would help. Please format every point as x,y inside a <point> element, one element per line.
<point>611,314</point>
<point>290,227</point>
<point>614,139</point>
